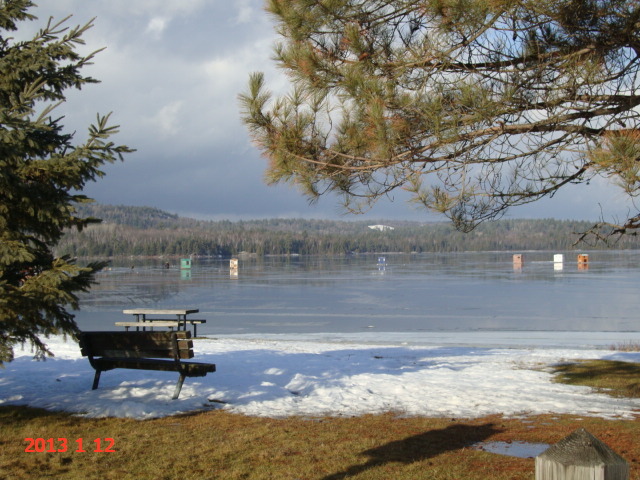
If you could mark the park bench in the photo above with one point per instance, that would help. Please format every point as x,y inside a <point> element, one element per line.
<point>164,351</point>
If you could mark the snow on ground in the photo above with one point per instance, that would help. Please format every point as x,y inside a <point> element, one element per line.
<point>281,376</point>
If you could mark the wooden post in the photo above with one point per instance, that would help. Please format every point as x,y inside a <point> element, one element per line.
<point>581,456</point>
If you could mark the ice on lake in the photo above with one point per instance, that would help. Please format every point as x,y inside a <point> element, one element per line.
<point>416,296</point>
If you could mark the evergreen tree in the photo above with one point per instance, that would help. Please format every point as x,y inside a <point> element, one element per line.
<point>41,173</point>
<point>474,106</point>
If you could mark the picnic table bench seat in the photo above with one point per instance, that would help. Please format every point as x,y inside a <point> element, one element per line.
<point>150,324</point>
<point>164,351</point>
<point>162,322</point>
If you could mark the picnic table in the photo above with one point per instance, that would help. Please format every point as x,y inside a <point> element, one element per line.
<point>144,321</point>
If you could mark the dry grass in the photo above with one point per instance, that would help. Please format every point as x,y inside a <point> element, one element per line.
<point>219,445</point>
<point>626,347</point>
<point>615,378</point>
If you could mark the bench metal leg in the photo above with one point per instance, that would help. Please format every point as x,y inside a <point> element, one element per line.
<point>96,379</point>
<point>176,394</point>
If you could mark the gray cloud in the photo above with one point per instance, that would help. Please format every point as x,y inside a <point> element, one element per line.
<point>171,73</point>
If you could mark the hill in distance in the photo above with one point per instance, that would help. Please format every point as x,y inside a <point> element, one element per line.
<point>148,231</point>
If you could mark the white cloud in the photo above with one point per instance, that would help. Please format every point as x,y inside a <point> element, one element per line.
<point>152,7</point>
<point>168,118</point>
<point>156,27</point>
<point>245,15</point>
<point>246,12</point>
<point>232,69</point>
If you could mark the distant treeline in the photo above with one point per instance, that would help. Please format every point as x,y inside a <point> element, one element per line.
<point>145,231</point>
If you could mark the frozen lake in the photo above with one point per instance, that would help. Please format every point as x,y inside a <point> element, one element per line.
<point>480,297</point>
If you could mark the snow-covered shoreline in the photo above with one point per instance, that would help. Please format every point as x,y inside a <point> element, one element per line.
<point>429,374</point>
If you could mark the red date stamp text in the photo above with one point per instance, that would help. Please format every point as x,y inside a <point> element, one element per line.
<point>61,445</point>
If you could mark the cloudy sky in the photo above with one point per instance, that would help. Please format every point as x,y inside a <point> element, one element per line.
<point>171,74</point>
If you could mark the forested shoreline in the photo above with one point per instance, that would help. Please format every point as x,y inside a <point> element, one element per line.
<point>146,231</point>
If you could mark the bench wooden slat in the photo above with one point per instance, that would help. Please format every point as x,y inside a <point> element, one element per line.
<point>156,322</point>
<point>191,369</point>
<point>124,353</point>
<point>150,323</point>
<point>182,320</point>
<point>160,321</point>
<point>160,311</point>
<point>136,345</point>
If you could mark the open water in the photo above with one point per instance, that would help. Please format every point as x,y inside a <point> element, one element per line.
<point>394,293</point>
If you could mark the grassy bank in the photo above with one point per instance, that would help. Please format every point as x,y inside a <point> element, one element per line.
<point>220,445</point>
<point>227,446</point>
